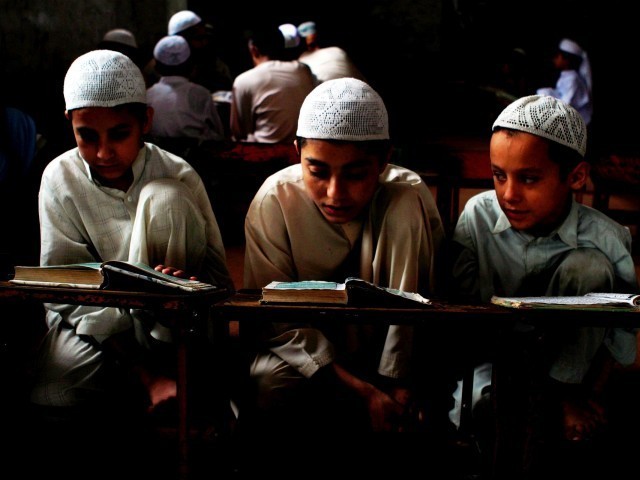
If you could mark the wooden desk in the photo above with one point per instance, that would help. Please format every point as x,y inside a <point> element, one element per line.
<point>186,314</point>
<point>511,398</point>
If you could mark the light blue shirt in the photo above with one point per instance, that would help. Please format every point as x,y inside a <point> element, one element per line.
<point>496,258</point>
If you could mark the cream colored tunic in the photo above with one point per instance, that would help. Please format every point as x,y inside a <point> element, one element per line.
<point>288,239</point>
<point>164,217</point>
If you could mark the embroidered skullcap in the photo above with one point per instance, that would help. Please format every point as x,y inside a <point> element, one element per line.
<point>121,35</point>
<point>182,20</point>
<point>306,28</point>
<point>290,34</point>
<point>103,78</point>
<point>547,117</point>
<point>172,50</point>
<point>343,109</point>
<point>569,46</point>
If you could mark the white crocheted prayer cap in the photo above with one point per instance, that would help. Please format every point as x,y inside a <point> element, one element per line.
<point>547,117</point>
<point>120,35</point>
<point>306,28</point>
<point>343,109</point>
<point>172,50</point>
<point>103,78</point>
<point>290,34</point>
<point>181,21</point>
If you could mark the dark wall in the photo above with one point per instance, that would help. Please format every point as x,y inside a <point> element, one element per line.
<point>426,57</point>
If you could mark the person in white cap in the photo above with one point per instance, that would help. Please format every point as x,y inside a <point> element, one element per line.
<point>325,62</point>
<point>344,210</point>
<point>210,70</point>
<point>266,99</point>
<point>530,237</point>
<point>182,109</point>
<point>114,197</point>
<point>123,41</point>
<point>574,84</point>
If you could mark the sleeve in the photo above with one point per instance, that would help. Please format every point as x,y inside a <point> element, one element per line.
<point>63,241</point>
<point>408,236</point>
<point>465,271</point>
<point>268,257</point>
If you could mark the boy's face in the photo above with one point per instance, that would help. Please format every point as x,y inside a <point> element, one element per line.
<point>109,140</point>
<point>340,178</point>
<point>527,182</point>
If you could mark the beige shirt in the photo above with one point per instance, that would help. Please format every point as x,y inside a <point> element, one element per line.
<point>288,239</point>
<point>266,101</point>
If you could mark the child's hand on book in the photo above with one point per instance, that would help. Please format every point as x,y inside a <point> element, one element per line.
<point>173,271</point>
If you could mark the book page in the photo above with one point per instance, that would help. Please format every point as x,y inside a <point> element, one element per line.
<point>569,301</point>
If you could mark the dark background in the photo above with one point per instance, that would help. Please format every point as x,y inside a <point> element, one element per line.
<point>427,58</point>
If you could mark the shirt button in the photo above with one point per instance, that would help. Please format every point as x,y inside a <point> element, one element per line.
<point>129,199</point>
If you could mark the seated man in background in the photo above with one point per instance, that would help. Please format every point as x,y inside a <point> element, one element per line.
<point>183,110</point>
<point>266,99</point>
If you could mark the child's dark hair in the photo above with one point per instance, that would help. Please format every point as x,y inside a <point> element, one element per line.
<point>572,59</point>
<point>183,70</point>
<point>269,40</point>
<point>566,157</point>
<point>380,148</point>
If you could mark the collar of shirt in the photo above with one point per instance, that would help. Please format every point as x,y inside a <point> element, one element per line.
<point>567,231</point>
<point>137,166</point>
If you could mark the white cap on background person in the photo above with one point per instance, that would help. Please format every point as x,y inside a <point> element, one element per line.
<point>290,34</point>
<point>181,21</point>
<point>121,35</point>
<point>172,50</point>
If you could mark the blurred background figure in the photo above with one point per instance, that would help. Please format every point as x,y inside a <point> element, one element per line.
<point>326,63</point>
<point>292,41</point>
<point>574,84</point>
<point>266,99</point>
<point>209,69</point>
<point>184,112</point>
<point>123,41</point>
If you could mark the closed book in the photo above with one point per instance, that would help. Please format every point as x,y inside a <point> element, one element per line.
<point>352,292</point>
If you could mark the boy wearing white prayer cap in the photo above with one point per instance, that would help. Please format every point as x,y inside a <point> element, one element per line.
<point>530,237</point>
<point>182,109</point>
<point>344,210</point>
<point>574,84</point>
<point>114,197</point>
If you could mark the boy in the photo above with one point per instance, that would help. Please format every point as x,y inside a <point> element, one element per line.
<point>114,198</point>
<point>574,81</point>
<point>529,237</point>
<point>343,210</point>
<point>182,109</point>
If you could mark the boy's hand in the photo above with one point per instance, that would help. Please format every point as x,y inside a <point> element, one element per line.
<point>173,271</point>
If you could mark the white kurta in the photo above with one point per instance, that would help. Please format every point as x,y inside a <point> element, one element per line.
<point>164,217</point>
<point>287,238</point>
<point>183,109</point>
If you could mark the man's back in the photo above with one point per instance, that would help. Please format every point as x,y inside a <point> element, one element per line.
<point>267,99</point>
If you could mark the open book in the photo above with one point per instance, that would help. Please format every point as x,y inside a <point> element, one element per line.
<point>591,301</point>
<point>353,292</point>
<point>112,274</point>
